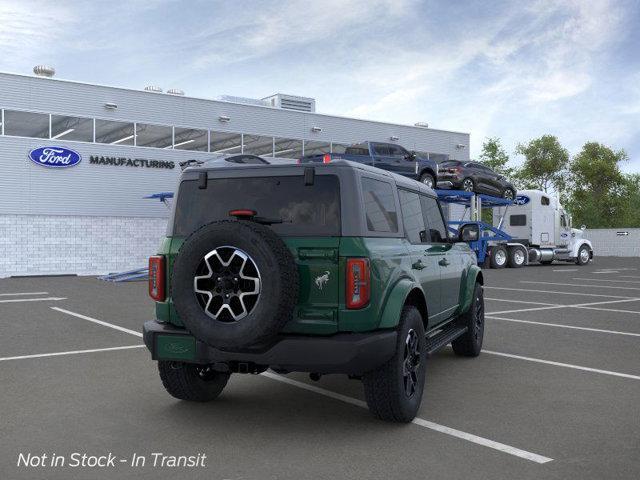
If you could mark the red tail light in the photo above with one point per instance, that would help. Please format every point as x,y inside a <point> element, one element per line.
<point>326,158</point>
<point>358,287</point>
<point>157,278</point>
<point>242,213</point>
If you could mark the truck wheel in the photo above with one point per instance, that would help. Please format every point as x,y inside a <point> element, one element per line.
<point>394,390</point>
<point>498,256</point>
<point>468,185</point>
<point>517,257</point>
<point>470,344</point>
<point>428,180</point>
<point>583,255</point>
<point>234,284</point>
<point>195,383</point>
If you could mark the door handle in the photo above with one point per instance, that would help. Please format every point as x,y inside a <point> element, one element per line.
<point>418,265</point>
<point>444,262</point>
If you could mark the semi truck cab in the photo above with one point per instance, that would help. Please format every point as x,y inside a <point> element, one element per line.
<point>538,221</point>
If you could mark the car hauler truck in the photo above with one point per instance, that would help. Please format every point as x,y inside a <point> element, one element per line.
<point>538,221</point>
<point>533,228</point>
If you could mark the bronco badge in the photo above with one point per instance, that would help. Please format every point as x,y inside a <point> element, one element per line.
<point>321,280</point>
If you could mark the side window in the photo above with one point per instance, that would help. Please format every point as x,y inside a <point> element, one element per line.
<point>381,149</point>
<point>563,221</point>
<point>433,220</point>
<point>544,200</point>
<point>412,216</point>
<point>517,220</point>
<point>396,151</point>
<point>379,206</point>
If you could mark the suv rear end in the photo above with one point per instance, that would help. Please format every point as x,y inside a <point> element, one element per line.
<point>306,207</point>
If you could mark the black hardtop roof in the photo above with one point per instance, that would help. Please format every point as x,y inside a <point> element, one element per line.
<point>399,180</point>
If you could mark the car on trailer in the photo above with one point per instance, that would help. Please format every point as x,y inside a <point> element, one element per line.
<point>327,268</point>
<point>474,177</point>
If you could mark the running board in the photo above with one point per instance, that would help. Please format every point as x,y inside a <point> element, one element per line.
<point>443,337</point>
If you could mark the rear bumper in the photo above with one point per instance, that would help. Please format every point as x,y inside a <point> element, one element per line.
<point>348,353</point>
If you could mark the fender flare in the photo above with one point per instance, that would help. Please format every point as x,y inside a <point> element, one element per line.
<point>474,274</point>
<point>578,244</point>
<point>395,302</point>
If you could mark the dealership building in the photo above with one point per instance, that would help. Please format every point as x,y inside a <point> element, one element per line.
<point>77,160</point>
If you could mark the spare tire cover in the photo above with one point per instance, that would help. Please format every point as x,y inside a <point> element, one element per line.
<point>234,284</point>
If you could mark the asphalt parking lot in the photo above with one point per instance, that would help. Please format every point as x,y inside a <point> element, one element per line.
<point>555,393</point>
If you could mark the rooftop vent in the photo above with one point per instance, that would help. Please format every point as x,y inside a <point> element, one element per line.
<point>292,102</point>
<point>422,124</point>
<point>44,71</point>
<point>153,88</point>
<point>175,91</point>
<point>244,100</point>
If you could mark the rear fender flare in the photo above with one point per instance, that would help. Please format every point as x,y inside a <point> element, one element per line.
<point>473,275</point>
<point>395,302</point>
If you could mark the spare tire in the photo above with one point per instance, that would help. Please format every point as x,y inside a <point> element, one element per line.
<point>234,284</point>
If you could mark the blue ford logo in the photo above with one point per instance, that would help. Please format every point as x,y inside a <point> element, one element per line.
<point>56,157</point>
<point>521,200</point>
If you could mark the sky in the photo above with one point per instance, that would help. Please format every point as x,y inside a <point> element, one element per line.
<point>514,70</point>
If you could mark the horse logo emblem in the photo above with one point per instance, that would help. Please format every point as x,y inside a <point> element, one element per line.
<point>321,280</point>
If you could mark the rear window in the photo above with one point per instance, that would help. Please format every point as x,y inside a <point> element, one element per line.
<point>311,210</point>
<point>357,150</point>
<point>450,163</point>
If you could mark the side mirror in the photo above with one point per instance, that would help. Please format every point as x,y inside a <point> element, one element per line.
<point>469,232</point>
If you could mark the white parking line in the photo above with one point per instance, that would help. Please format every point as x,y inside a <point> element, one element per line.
<point>579,285</point>
<point>573,327</point>
<point>565,365</point>
<point>23,293</point>
<point>45,299</point>
<point>519,301</point>
<point>72,352</point>
<point>99,322</point>
<point>628,276</point>
<point>418,421</point>
<point>603,280</point>
<point>607,309</point>
<point>577,305</point>
<point>558,293</point>
<point>566,269</point>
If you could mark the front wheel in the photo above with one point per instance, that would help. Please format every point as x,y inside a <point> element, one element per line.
<point>470,344</point>
<point>508,194</point>
<point>428,180</point>
<point>394,390</point>
<point>468,185</point>
<point>583,255</point>
<point>195,383</point>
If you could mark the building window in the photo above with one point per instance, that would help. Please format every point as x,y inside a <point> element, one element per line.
<point>287,148</point>
<point>257,145</point>
<point>72,128</point>
<point>26,124</point>
<point>312,147</point>
<point>339,148</point>
<point>157,136</point>
<point>114,133</point>
<point>380,206</point>
<point>224,142</point>
<point>190,139</point>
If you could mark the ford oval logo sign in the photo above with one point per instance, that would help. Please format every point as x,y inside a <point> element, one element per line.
<point>56,157</point>
<point>521,200</point>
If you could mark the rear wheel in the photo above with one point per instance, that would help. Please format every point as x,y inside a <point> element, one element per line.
<point>195,383</point>
<point>428,180</point>
<point>394,390</point>
<point>470,344</point>
<point>468,185</point>
<point>517,257</point>
<point>498,257</point>
<point>508,194</point>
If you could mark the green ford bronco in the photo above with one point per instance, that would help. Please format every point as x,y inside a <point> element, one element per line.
<point>331,268</point>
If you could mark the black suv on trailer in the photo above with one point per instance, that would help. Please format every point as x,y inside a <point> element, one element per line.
<point>474,177</point>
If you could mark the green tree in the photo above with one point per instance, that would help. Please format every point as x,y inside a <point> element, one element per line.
<point>495,157</point>
<point>631,198</point>
<point>598,190</point>
<point>545,164</point>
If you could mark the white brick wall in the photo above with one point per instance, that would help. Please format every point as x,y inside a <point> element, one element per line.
<point>50,245</point>
<point>612,242</point>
